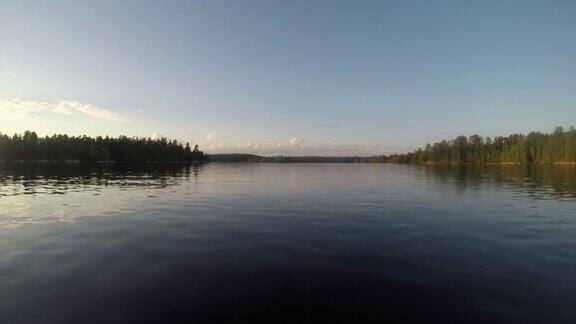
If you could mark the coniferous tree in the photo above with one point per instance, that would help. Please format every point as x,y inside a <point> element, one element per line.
<point>535,148</point>
<point>30,147</point>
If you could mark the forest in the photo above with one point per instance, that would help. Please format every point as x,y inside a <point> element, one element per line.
<point>30,147</point>
<point>534,148</point>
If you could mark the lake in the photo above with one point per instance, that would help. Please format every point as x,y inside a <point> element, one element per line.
<point>287,243</point>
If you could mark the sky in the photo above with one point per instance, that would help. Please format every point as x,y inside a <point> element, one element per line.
<point>288,77</point>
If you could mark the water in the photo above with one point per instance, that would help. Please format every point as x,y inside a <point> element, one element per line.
<point>287,243</point>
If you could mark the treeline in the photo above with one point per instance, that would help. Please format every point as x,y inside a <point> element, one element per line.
<point>234,157</point>
<point>535,148</point>
<point>30,147</point>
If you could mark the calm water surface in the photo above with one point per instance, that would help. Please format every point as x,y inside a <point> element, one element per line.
<point>288,243</point>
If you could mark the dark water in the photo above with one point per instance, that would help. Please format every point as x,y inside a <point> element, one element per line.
<point>290,243</point>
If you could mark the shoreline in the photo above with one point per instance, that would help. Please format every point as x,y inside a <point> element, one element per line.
<point>73,162</point>
<point>100,162</point>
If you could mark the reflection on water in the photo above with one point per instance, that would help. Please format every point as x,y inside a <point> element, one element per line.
<point>296,242</point>
<point>92,189</point>
<point>539,182</point>
<point>31,179</point>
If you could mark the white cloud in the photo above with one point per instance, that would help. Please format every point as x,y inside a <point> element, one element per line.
<point>298,148</point>
<point>17,76</point>
<point>15,109</point>
<point>156,136</point>
<point>297,141</point>
<point>210,136</point>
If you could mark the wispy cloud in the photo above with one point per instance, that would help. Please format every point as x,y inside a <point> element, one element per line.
<point>210,137</point>
<point>16,76</point>
<point>298,146</point>
<point>272,149</point>
<point>157,136</point>
<point>297,141</point>
<point>16,109</point>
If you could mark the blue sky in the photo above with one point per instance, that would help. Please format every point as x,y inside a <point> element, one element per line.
<point>288,77</point>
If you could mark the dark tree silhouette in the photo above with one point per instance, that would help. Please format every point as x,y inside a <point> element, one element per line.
<point>30,147</point>
<point>535,148</point>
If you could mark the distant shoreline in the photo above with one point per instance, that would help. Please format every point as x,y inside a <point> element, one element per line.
<point>283,160</point>
<point>361,160</point>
